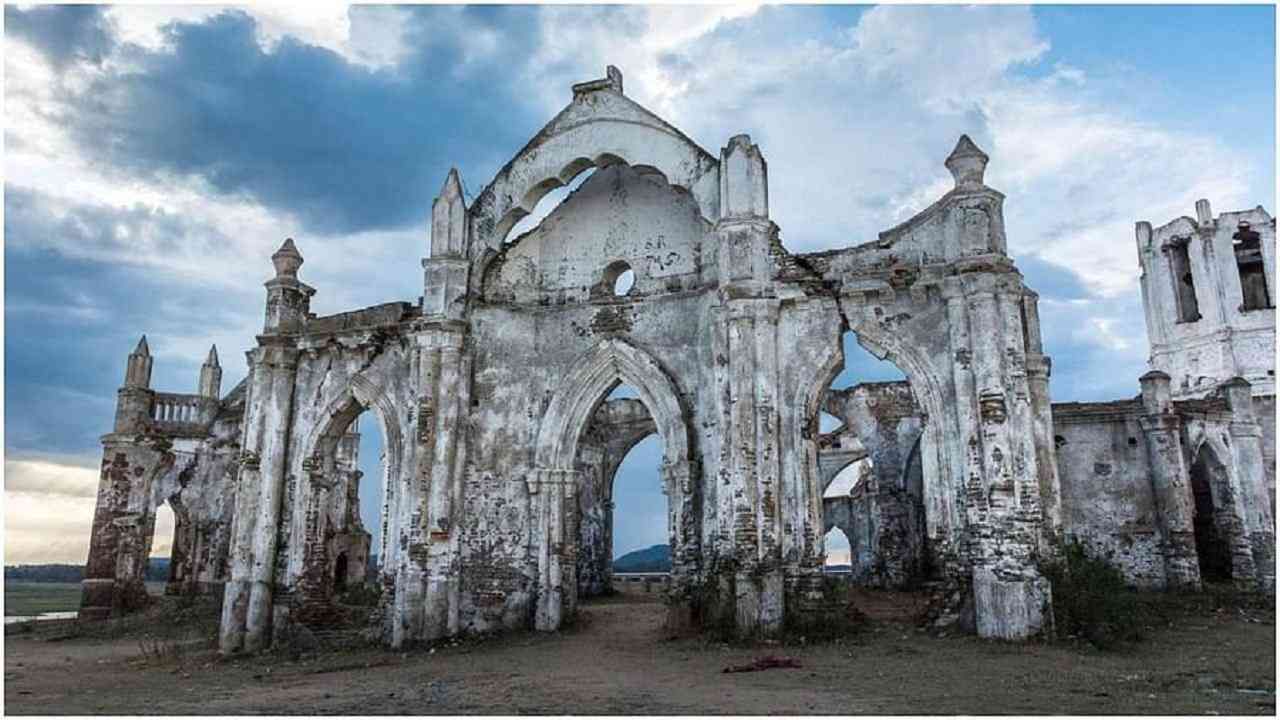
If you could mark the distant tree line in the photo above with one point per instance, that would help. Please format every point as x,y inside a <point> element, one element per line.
<point>157,571</point>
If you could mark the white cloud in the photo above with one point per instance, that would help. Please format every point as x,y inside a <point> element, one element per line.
<point>372,36</point>
<point>48,513</point>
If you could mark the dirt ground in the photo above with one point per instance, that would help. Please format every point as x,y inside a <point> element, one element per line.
<point>615,661</point>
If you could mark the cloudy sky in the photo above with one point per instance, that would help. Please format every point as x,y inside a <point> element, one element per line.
<point>155,157</point>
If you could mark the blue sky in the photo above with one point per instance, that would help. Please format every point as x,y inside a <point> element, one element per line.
<point>156,156</point>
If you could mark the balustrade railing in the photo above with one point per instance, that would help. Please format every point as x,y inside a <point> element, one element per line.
<point>174,410</point>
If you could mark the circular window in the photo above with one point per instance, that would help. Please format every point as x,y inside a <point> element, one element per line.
<point>619,278</point>
<point>624,283</point>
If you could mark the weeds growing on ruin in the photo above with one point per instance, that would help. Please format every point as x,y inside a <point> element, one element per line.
<point>1091,599</point>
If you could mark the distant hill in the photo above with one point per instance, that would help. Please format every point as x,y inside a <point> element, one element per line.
<point>157,570</point>
<point>651,559</point>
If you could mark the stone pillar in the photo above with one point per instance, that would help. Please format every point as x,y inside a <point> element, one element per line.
<point>434,550</point>
<point>247,597</point>
<point>1249,484</point>
<point>553,492</point>
<point>594,515</point>
<point>1170,481</point>
<point>677,484</point>
<point>1009,594</point>
<point>1039,368</point>
<point>997,372</point>
<point>275,372</point>
<point>745,237</point>
<point>133,399</point>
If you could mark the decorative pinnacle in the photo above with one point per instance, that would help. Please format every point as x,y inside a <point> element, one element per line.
<point>287,260</point>
<point>212,360</point>
<point>967,163</point>
<point>142,348</point>
<point>452,184</point>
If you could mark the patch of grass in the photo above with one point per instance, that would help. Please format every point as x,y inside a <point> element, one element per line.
<point>33,598</point>
<point>1091,599</point>
<point>189,617</point>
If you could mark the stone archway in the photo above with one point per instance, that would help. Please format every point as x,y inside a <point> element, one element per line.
<point>555,480</point>
<point>324,476</point>
<point>895,426</point>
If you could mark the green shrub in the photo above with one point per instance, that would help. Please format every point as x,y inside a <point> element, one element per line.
<point>1091,599</point>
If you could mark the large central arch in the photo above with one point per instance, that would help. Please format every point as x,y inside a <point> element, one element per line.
<point>610,363</point>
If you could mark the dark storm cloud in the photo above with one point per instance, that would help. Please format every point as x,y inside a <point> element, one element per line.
<point>70,323</point>
<point>340,146</point>
<point>62,33</point>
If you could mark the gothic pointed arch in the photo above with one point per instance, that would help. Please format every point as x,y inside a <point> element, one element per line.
<point>611,362</point>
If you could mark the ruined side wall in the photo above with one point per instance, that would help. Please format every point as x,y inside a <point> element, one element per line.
<point>200,488</point>
<point>174,449</point>
<point>1107,497</point>
<point>886,516</point>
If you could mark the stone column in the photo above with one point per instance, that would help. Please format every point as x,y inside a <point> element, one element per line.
<point>1009,594</point>
<point>1249,484</point>
<point>278,368</point>
<point>1039,367</point>
<point>443,395</point>
<point>1170,481</point>
<point>273,365</point>
<point>745,237</point>
<point>677,484</point>
<point>553,492</point>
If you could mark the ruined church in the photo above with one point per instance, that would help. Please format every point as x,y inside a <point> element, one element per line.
<point>664,272</point>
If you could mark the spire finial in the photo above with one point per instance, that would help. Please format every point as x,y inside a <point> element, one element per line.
<point>967,163</point>
<point>142,348</point>
<point>452,184</point>
<point>212,360</point>
<point>287,260</point>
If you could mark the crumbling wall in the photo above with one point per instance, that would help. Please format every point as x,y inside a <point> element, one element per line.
<point>166,448</point>
<point>889,425</point>
<point>525,345</point>
<point>1264,411</point>
<point>1107,496</point>
<point>885,515</point>
<point>1147,483</point>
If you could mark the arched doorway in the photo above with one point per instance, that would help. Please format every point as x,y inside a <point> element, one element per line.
<point>166,562</point>
<point>623,513</point>
<point>869,466</point>
<point>346,505</point>
<point>1209,478</point>
<point>561,475</point>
